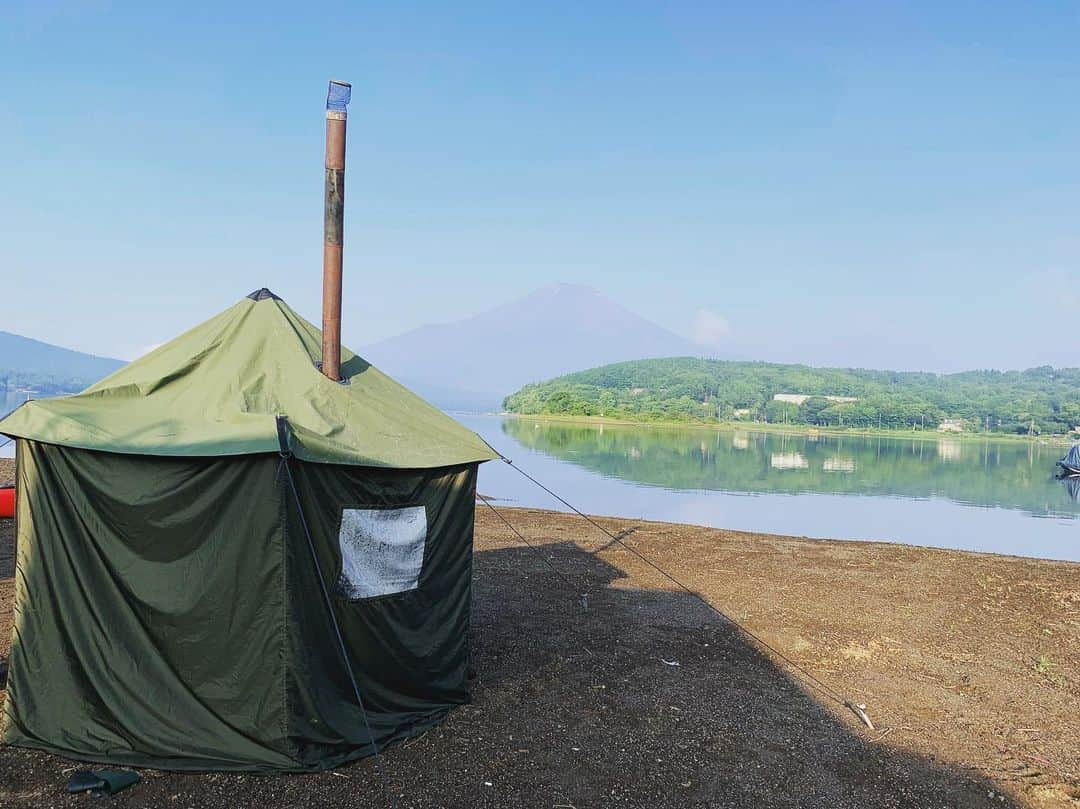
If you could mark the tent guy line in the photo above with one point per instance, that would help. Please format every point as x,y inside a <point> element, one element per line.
<point>856,708</point>
<point>584,584</point>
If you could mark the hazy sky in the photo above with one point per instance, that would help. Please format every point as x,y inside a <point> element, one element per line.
<point>857,184</point>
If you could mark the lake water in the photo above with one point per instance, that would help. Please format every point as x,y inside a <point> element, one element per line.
<point>8,402</point>
<point>995,496</point>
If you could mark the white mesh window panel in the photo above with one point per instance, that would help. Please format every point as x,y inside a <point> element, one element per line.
<point>382,550</point>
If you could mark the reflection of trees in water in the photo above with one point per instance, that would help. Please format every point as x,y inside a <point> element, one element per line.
<point>1009,474</point>
<point>1072,486</point>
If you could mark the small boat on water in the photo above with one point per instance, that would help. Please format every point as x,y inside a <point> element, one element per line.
<point>1070,464</point>
<point>7,501</point>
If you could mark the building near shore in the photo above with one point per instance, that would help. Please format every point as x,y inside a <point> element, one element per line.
<point>951,426</point>
<point>799,398</point>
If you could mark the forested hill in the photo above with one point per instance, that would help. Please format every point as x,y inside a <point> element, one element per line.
<point>1043,400</point>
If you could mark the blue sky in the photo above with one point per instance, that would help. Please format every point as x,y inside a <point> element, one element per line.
<point>891,185</point>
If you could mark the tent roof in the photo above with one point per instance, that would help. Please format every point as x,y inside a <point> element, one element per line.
<point>217,390</point>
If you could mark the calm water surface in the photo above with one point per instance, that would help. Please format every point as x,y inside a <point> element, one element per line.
<point>996,496</point>
<point>8,402</point>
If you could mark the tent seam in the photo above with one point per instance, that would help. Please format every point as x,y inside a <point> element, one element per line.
<point>285,601</point>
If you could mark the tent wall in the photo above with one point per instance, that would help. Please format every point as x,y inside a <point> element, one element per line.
<point>168,612</point>
<point>410,650</point>
<point>149,604</point>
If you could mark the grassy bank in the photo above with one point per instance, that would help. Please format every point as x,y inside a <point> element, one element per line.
<point>793,429</point>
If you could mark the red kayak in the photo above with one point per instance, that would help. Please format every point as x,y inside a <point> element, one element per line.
<point>7,501</point>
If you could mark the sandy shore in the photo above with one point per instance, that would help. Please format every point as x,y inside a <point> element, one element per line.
<point>969,665</point>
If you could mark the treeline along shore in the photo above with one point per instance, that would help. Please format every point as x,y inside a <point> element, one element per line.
<point>1038,401</point>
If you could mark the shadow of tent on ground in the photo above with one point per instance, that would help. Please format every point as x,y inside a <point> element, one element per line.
<point>726,727</point>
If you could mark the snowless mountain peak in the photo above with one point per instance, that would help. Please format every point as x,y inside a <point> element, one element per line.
<point>475,362</point>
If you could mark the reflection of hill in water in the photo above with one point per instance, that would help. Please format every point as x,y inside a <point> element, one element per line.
<point>1009,474</point>
<point>9,400</point>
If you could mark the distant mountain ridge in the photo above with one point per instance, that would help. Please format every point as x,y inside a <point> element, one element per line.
<point>474,363</point>
<point>25,362</point>
<point>469,364</point>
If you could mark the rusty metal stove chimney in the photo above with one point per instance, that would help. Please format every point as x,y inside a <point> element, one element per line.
<point>337,100</point>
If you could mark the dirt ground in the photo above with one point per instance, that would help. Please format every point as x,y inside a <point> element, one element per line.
<point>969,665</point>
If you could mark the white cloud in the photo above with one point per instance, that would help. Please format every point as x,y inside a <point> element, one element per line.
<point>140,352</point>
<point>710,329</point>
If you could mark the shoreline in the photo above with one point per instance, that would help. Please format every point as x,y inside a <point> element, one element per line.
<point>856,541</point>
<point>777,429</point>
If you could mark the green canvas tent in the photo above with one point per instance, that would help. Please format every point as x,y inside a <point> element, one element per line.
<point>176,525</point>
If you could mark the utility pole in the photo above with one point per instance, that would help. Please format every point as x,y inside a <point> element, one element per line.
<point>337,100</point>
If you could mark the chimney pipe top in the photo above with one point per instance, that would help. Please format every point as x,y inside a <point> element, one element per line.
<point>338,95</point>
